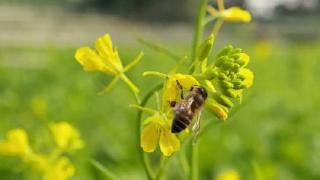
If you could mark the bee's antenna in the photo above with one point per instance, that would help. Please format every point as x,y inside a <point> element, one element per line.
<point>181,88</point>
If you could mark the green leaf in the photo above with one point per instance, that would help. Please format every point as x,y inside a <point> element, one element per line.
<point>104,170</point>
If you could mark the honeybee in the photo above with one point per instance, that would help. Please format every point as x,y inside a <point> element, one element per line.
<point>188,108</point>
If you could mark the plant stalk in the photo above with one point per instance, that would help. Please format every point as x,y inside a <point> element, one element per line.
<point>198,32</point>
<point>198,28</point>
<point>143,156</point>
<point>194,162</point>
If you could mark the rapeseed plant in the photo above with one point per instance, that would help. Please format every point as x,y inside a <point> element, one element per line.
<point>224,77</point>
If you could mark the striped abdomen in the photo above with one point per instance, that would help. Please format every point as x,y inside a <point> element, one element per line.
<point>181,121</point>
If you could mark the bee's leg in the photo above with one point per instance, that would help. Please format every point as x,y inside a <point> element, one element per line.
<point>172,103</point>
<point>192,87</point>
<point>181,88</point>
<point>196,128</point>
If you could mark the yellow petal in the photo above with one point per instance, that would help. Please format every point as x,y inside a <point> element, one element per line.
<point>248,74</point>
<point>149,137</point>
<point>169,143</point>
<point>91,61</point>
<point>217,109</point>
<point>62,169</point>
<point>244,58</point>
<point>236,14</point>
<point>66,136</point>
<point>172,91</point>
<point>17,144</point>
<point>108,54</point>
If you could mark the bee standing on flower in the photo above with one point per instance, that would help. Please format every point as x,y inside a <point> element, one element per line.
<point>188,108</point>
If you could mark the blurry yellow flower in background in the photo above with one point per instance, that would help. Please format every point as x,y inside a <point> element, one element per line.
<point>232,14</point>
<point>229,175</point>
<point>236,14</point>
<point>16,144</point>
<point>158,128</point>
<point>61,169</point>
<point>66,136</point>
<point>106,59</point>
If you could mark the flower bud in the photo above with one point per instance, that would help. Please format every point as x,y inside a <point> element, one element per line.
<point>205,48</point>
<point>233,93</point>
<point>223,100</point>
<point>226,84</point>
<point>243,60</point>
<point>218,110</point>
<point>225,51</point>
<point>222,76</point>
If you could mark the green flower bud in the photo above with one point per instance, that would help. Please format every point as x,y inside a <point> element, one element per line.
<point>239,86</point>
<point>205,48</point>
<point>225,51</point>
<point>222,76</point>
<point>227,65</point>
<point>223,100</point>
<point>211,74</point>
<point>236,82</point>
<point>220,60</point>
<point>236,51</point>
<point>233,93</point>
<point>236,67</point>
<point>226,84</point>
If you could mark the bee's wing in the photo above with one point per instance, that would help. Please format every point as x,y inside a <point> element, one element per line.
<point>189,102</point>
<point>196,127</point>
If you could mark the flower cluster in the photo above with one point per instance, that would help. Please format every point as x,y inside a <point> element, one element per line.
<point>226,78</point>
<point>52,166</point>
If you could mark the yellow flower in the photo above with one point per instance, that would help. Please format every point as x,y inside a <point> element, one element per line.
<point>233,14</point>
<point>220,111</point>
<point>172,91</point>
<point>16,144</point>
<point>66,136</point>
<point>229,175</point>
<point>52,168</point>
<point>158,128</point>
<point>62,169</point>
<point>236,14</point>
<point>248,75</point>
<point>106,59</point>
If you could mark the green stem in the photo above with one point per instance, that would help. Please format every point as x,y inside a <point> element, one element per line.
<point>198,28</point>
<point>163,164</point>
<point>196,41</point>
<point>143,156</point>
<point>194,162</point>
<point>184,162</point>
<point>159,48</point>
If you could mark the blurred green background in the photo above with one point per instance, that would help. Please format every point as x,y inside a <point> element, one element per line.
<point>275,132</point>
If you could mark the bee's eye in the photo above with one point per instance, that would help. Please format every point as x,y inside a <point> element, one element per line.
<point>202,91</point>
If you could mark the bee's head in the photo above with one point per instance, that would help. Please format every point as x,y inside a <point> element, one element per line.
<point>201,90</point>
